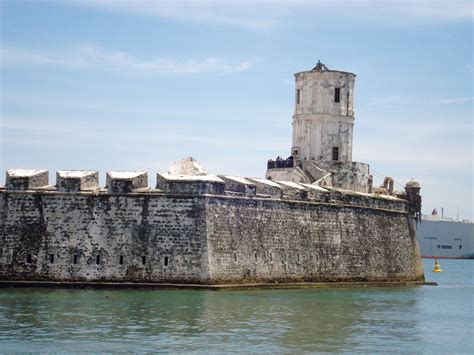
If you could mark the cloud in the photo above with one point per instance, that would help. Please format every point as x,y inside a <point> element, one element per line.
<point>268,14</point>
<point>260,15</point>
<point>49,131</point>
<point>98,58</point>
<point>398,101</point>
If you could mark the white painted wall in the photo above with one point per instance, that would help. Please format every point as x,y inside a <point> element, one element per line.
<point>320,123</point>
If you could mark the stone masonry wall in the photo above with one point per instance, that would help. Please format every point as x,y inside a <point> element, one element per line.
<point>79,228</point>
<point>200,239</point>
<point>285,241</point>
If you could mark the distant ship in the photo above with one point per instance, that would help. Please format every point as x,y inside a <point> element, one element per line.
<point>444,238</point>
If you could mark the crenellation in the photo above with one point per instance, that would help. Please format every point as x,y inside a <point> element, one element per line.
<point>24,179</point>
<point>239,185</point>
<point>77,180</point>
<point>267,187</point>
<point>126,181</point>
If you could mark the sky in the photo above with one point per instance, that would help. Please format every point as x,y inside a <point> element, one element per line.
<point>136,85</point>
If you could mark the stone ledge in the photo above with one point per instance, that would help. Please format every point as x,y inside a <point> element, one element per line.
<point>267,286</point>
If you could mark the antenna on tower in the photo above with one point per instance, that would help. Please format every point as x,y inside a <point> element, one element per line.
<point>320,66</point>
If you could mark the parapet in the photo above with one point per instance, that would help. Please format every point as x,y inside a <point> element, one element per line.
<point>293,190</point>
<point>267,187</point>
<point>77,180</point>
<point>24,179</point>
<point>126,181</point>
<point>239,185</point>
<point>190,184</point>
<point>187,176</point>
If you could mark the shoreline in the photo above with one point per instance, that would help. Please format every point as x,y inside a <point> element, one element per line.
<point>170,286</point>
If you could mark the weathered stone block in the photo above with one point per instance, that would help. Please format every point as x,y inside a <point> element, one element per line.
<point>240,185</point>
<point>77,180</point>
<point>267,187</point>
<point>24,179</point>
<point>126,181</point>
<point>293,190</point>
<point>190,184</point>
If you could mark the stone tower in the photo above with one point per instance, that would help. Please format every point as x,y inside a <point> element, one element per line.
<point>323,122</point>
<point>324,115</point>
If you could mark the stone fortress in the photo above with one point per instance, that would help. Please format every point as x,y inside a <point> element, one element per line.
<point>314,218</point>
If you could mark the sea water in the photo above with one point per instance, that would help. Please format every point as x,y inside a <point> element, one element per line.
<point>408,319</point>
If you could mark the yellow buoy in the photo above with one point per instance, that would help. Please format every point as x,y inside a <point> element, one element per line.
<point>437,268</point>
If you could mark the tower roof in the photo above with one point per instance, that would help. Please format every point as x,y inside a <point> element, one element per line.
<point>322,68</point>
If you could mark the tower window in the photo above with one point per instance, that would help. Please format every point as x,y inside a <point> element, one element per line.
<point>97,259</point>
<point>166,261</point>
<point>335,153</point>
<point>28,258</point>
<point>74,259</point>
<point>337,94</point>
<point>51,259</point>
<point>143,260</point>
<point>297,96</point>
<point>121,260</point>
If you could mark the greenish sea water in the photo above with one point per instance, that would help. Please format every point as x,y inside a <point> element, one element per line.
<point>406,319</point>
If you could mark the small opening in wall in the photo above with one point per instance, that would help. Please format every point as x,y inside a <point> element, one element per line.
<point>121,260</point>
<point>166,260</point>
<point>28,258</point>
<point>337,94</point>
<point>271,256</point>
<point>51,258</point>
<point>460,246</point>
<point>297,96</point>
<point>74,259</point>
<point>335,153</point>
<point>298,255</point>
<point>143,260</point>
<point>295,152</point>
<point>97,259</point>
<point>256,257</point>
<point>235,257</point>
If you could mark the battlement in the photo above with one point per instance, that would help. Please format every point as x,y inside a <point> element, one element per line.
<point>24,179</point>
<point>200,229</point>
<point>77,180</point>
<point>126,182</point>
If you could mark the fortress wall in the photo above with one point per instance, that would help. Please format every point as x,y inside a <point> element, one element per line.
<point>86,226</point>
<point>206,239</point>
<point>270,240</point>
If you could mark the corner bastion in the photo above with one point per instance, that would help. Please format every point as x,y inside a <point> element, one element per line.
<point>198,228</point>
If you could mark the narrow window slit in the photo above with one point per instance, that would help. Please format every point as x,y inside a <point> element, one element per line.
<point>143,260</point>
<point>121,260</point>
<point>97,260</point>
<point>74,259</point>
<point>51,258</point>
<point>166,261</point>
<point>28,258</point>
